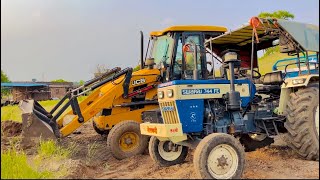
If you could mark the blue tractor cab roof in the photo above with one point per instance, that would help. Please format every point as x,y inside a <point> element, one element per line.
<point>21,84</point>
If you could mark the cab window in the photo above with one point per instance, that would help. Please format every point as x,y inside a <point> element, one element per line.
<point>162,49</point>
<point>177,66</point>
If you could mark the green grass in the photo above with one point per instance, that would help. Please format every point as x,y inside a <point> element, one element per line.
<point>51,149</point>
<point>92,151</point>
<point>14,165</point>
<point>14,162</point>
<point>13,112</point>
<point>10,113</point>
<point>265,63</point>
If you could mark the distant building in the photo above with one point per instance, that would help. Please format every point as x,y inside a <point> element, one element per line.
<point>24,90</point>
<point>38,90</point>
<point>58,89</point>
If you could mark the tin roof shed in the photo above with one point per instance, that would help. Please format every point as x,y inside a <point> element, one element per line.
<point>21,84</point>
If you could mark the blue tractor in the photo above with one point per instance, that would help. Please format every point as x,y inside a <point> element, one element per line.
<point>222,117</point>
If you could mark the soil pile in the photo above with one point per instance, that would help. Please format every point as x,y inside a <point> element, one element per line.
<point>11,128</point>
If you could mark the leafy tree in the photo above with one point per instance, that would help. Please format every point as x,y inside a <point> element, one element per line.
<point>81,82</point>
<point>100,69</point>
<point>137,68</point>
<point>280,14</point>
<point>59,80</point>
<point>4,77</point>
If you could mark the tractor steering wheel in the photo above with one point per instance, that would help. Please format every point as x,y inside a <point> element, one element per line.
<point>241,72</point>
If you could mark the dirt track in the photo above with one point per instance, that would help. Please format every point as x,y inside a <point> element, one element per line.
<point>277,161</point>
<point>92,160</point>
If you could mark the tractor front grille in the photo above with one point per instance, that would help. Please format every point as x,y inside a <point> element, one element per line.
<point>152,116</point>
<point>169,112</point>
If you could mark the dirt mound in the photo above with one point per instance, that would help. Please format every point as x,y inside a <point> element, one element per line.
<point>11,128</point>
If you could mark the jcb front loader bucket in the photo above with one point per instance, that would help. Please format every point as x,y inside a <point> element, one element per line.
<point>36,124</point>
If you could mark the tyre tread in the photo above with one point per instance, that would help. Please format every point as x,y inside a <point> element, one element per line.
<point>299,137</point>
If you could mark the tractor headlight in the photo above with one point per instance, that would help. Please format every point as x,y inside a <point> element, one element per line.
<point>298,81</point>
<point>160,94</point>
<point>170,93</point>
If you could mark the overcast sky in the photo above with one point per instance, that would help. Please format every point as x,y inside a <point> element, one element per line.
<point>53,39</point>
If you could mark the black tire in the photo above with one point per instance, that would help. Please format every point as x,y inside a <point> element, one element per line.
<point>160,160</point>
<point>99,131</point>
<point>252,144</point>
<point>120,130</point>
<point>204,148</point>
<point>302,134</point>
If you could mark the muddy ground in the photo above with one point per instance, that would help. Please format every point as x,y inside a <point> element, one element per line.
<point>91,159</point>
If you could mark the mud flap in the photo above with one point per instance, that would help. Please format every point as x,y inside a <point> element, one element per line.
<point>33,128</point>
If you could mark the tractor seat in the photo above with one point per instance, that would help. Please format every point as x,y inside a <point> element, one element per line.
<point>272,78</point>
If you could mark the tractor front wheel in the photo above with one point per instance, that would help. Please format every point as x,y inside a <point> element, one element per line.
<point>303,122</point>
<point>219,156</point>
<point>125,140</point>
<point>165,153</point>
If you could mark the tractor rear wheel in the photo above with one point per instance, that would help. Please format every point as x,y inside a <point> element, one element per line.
<point>251,142</point>
<point>303,122</point>
<point>125,140</point>
<point>165,153</point>
<point>219,156</point>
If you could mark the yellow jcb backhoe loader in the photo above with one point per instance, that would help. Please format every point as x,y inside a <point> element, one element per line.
<point>118,97</point>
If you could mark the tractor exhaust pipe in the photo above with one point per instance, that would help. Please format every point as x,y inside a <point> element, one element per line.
<point>233,97</point>
<point>141,51</point>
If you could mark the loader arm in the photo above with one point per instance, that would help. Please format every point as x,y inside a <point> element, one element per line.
<point>101,98</point>
<point>114,95</point>
<point>115,91</point>
<point>84,104</point>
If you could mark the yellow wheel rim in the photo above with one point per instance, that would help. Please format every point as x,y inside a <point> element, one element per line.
<point>129,141</point>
